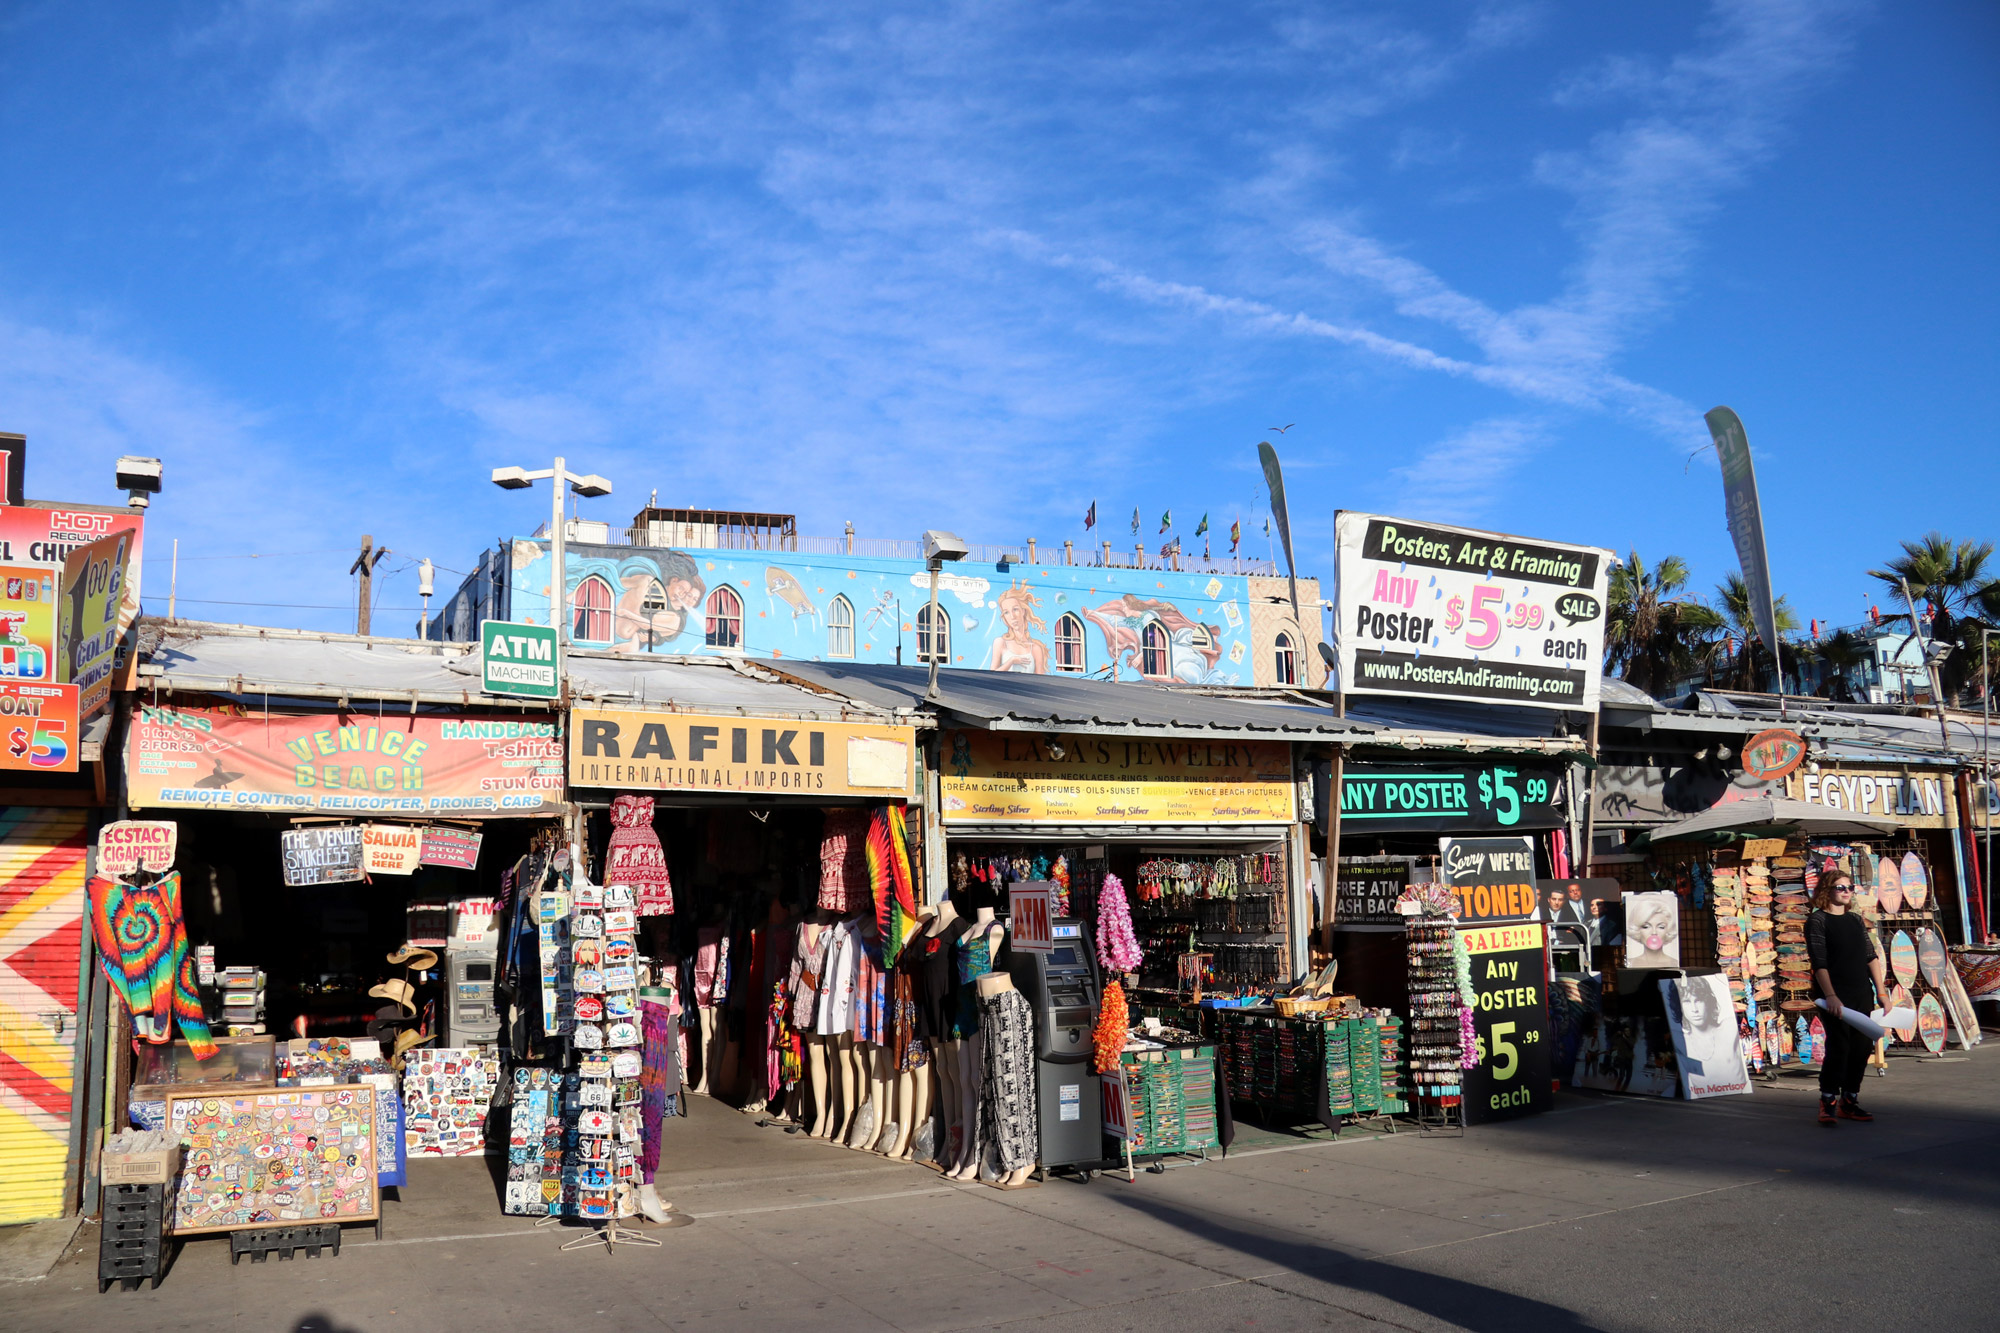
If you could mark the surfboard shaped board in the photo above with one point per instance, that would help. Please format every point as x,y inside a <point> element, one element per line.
<point>1916,884</point>
<point>1930,1024</point>
<point>1903,957</point>
<point>1899,998</point>
<point>1888,885</point>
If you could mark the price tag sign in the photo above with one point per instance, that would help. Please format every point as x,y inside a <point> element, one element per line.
<point>1511,1023</point>
<point>1030,916</point>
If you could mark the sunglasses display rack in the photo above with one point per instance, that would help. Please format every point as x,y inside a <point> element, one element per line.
<point>1434,1041</point>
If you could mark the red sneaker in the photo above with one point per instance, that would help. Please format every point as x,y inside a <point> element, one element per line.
<point>1851,1110</point>
<point>1826,1110</point>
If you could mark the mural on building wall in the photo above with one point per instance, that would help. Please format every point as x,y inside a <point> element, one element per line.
<point>1127,623</point>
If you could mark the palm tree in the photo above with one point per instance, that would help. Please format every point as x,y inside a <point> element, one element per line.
<point>1749,668</point>
<point>1653,635</point>
<point>1839,653</point>
<point>1964,597</point>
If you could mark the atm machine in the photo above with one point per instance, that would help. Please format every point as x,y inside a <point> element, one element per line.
<point>471,964</point>
<point>1063,991</point>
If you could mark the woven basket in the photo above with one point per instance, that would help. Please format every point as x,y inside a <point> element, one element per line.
<point>1292,1006</point>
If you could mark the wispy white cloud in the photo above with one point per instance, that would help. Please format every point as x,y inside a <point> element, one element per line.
<point>1457,479</point>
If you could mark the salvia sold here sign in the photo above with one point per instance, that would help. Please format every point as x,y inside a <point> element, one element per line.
<point>1455,613</point>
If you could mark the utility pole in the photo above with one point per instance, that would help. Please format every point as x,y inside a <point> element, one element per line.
<point>364,565</point>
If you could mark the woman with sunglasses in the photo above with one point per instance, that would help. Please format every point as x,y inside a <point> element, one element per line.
<point>1847,970</point>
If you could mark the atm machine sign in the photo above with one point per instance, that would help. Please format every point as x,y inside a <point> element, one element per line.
<point>1030,917</point>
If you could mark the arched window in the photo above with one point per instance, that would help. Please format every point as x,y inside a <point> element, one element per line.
<point>650,606</point>
<point>725,619</point>
<point>925,651</point>
<point>1069,644</point>
<point>591,608</point>
<point>840,628</point>
<point>1153,656</point>
<point>1286,670</point>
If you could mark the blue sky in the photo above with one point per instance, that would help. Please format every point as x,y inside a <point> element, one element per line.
<point>975,265</point>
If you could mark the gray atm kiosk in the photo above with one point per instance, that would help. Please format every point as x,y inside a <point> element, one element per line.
<point>1063,991</point>
<point>472,1014</point>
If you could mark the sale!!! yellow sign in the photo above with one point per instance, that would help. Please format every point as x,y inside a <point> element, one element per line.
<point>1006,777</point>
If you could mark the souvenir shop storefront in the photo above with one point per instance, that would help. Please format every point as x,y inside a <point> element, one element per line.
<point>1729,891</point>
<point>735,935</point>
<point>1454,908</point>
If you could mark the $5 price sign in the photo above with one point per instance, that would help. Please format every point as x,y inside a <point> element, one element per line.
<point>1499,794</point>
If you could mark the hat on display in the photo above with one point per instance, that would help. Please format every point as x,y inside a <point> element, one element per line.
<point>398,990</point>
<point>410,955</point>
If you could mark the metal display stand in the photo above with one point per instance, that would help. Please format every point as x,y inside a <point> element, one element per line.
<point>611,1236</point>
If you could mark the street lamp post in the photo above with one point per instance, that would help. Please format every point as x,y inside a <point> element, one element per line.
<point>938,548</point>
<point>589,485</point>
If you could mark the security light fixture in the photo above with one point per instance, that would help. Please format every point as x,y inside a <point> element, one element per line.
<point>139,478</point>
<point>590,487</point>
<point>939,546</point>
<point>512,478</point>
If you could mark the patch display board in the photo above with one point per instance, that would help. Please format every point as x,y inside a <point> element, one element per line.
<point>1455,613</point>
<point>1510,981</point>
<point>446,1095</point>
<point>259,1159</point>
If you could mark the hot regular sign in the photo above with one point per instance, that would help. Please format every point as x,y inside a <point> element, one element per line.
<point>1461,614</point>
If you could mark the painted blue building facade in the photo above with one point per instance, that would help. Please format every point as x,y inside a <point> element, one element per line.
<point>1108,621</point>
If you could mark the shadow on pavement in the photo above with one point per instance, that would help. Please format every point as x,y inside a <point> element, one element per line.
<point>1456,1302</point>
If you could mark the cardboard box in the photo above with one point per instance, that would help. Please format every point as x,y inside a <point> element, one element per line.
<point>141,1168</point>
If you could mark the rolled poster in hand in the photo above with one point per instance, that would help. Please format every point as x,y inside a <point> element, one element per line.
<point>1871,1028</point>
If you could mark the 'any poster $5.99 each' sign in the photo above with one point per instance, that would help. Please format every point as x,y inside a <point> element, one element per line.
<point>1456,613</point>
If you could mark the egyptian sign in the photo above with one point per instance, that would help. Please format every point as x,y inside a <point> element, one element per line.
<point>1129,624</point>
<point>1510,981</point>
<point>344,764</point>
<point>1455,613</point>
<point>637,750</point>
<point>1469,797</point>
<point>1493,879</point>
<point>93,595</point>
<point>1919,799</point>
<point>1004,777</point>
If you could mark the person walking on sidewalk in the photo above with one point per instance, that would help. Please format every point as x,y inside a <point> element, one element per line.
<point>1845,965</point>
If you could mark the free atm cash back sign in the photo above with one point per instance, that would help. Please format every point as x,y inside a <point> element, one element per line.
<point>518,659</point>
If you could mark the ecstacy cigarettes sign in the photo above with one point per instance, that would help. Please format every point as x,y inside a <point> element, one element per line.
<point>1456,613</point>
<point>653,751</point>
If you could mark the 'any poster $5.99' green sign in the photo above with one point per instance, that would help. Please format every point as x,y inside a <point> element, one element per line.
<point>1451,798</point>
<point>518,659</point>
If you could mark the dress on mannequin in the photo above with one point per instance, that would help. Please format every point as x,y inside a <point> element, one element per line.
<point>1007,1108</point>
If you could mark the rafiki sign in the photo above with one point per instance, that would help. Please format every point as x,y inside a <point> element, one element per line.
<point>1462,614</point>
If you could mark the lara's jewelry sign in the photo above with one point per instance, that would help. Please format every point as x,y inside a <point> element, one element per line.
<point>1001,777</point>
<point>1456,613</point>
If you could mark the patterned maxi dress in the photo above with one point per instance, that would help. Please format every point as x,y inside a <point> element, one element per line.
<point>1007,1110</point>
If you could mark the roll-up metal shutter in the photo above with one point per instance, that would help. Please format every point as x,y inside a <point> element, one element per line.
<point>41,933</point>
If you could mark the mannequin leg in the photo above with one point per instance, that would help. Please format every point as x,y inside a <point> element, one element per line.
<point>920,1107</point>
<point>816,1080</point>
<point>888,1126</point>
<point>708,1049</point>
<point>970,1084</point>
<point>906,1112</point>
<point>944,1061</point>
<point>851,1095</point>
